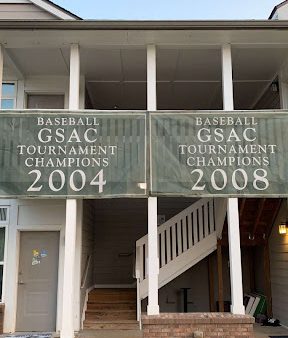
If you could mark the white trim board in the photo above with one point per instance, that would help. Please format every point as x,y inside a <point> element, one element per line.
<point>53,10</point>
<point>17,2</point>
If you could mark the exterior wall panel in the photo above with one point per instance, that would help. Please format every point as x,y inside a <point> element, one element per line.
<point>31,215</point>
<point>23,11</point>
<point>278,268</point>
<point>87,250</point>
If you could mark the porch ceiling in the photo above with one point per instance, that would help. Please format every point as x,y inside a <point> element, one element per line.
<point>256,218</point>
<point>188,77</point>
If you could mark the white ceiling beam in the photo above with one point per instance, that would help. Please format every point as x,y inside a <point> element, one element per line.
<point>178,81</point>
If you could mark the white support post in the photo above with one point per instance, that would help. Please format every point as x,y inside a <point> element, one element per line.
<point>237,306</point>
<point>1,70</point>
<point>68,311</point>
<point>227,78</point>
<point>151,78</point>
<point>283,87</point>
<point>74,86</point>
<point>67,327</point>
<point>153,259</point>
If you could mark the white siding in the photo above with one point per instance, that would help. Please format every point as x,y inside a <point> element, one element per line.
<point>171,295</point>
<point>279,269</point>
<point>31,215</point>
<point>87,249</point>
<point>282,13</point>
<point>118,224</point>
<point>16,11</point>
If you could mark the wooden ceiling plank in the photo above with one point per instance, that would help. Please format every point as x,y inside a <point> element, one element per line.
<point>259,214</point>
<point>243,201</point>
<point>273,219</point>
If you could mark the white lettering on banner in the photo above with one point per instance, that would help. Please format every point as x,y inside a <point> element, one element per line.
<point>67,121</point>
<point>45,135</point>
<point>204,135</point>
<point>226,121</point>
<point>62,148</point>
<point>222,144</point>
<point>98,180</point>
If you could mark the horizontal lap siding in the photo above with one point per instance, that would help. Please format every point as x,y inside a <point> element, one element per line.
<point>118,224</point>
<point>87,246</point>
<point>23,11</point>
<point>279,269</point>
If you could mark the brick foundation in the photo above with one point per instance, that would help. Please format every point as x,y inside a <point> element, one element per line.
<point>198,325</point>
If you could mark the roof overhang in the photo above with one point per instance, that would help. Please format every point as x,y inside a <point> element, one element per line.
<point>143,25</point>
<point>27,34</point>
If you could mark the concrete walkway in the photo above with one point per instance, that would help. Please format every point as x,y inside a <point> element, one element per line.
<point>267,331</point>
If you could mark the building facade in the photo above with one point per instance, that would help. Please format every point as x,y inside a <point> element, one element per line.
<point>85,247</point>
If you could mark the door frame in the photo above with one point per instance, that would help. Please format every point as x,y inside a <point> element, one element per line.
<point>42,228</point>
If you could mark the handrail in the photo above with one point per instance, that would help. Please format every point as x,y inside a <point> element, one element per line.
<point>85,272</point>
<point>137,275</point>
<point>182,240</point>
<point>190,209</point>
<point>139,319</point>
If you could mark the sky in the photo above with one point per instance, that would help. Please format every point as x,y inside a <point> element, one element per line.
<point>170,9</point>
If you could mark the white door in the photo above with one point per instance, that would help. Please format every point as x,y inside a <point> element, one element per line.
<point>37,281</point>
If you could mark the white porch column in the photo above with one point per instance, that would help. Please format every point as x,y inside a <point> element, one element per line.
<point>67,327</point>
<point>153,260</point>
<point>237,306</point>
<point>1,70</point>
<point>283,87</point>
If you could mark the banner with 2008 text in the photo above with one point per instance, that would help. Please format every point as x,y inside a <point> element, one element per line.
<point>219,153</point>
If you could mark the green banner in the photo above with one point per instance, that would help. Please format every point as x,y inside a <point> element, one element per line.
<point>219,153</point>
<point>103,154</point>
<point>63,154</point>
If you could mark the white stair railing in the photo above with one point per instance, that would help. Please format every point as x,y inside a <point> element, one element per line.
<point>183,241</point>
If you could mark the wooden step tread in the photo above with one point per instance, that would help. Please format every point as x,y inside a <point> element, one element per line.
<point>110,325</point>
<point>110,310</point>
<point>126,321</point>
<point>116,296</point>
<point>113,292</point>
<point>110,334</point>
<point>109,316</point>
<point>111,306</point>
<point>111,301</point>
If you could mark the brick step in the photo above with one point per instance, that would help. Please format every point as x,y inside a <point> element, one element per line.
<point>111,306</point>
<point>111,325</point>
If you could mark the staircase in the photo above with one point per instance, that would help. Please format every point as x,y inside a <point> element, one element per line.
<point>184,240</point>
<point>111,309</point>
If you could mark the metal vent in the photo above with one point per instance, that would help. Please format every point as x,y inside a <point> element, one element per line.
<point>3,214</point>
